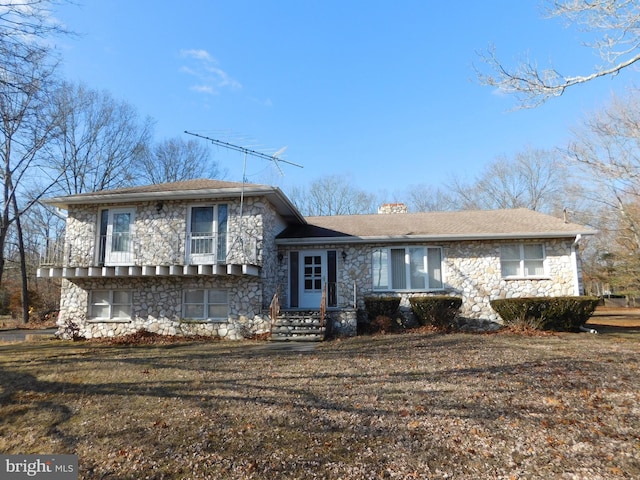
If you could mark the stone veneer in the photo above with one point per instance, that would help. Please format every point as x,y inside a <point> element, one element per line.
<point>157,301</point>
<point>471,270</point>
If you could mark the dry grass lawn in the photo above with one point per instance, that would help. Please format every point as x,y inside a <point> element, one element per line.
<point>417,405</point>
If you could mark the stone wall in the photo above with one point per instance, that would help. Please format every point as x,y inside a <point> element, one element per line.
<point>157,307</point>
<point>471,270</point>
<point>159,234</point>
<point>157,301</point>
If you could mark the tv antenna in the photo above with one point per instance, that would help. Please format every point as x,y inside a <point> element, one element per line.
<point>247,151</point>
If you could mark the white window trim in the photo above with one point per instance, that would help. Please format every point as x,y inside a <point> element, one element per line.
<point>205,306</point>
<point>110,319</point>
<point>215,233</point>
<point>407,271</point>
<point>522,276</point>
<point>103,248</point>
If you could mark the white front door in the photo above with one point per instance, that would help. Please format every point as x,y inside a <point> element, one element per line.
<point>119,238</point>
<point>312,277</point>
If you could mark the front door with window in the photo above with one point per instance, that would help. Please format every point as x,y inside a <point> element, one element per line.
<point>312,278</point>
<point>118,236</point>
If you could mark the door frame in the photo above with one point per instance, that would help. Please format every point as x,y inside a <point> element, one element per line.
<point>297,297</point>
<point>310,281</point>
<point>123,257</point>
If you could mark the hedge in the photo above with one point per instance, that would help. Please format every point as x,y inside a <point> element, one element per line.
<point>438,310</point>
<point>562,314</point>
<point>381,306</point>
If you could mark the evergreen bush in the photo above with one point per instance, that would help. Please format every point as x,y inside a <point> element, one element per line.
<point>381,306</point>
<point>562,314</point>
<point>380,314</point>
<point>438,310</point>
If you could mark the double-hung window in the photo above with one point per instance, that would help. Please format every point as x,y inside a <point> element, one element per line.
<point>208,234</point>
<point>206,304</point>
<point>522,260</point>
<point>407,268</point>
<point>110,305</point>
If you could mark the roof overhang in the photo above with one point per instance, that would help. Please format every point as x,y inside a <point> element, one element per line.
<point>397,239</point>
<point>275,196</point>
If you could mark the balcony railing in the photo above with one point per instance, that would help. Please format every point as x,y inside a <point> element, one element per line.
<point>147,250</point>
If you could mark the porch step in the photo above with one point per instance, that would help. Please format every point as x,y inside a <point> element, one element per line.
<point>298,326</point>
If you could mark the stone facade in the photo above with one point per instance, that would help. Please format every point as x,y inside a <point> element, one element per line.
<point>470,270</point>
<point>160,239</point>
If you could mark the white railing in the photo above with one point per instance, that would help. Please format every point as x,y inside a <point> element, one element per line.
<point>135,249</point>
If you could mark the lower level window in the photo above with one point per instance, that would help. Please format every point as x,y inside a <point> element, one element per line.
<point>206,304</point>
<point>110,305</point>
<point>407,268</point>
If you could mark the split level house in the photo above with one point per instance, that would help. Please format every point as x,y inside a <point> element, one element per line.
<point>224,259</point>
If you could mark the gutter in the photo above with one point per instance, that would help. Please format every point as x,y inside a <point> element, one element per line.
<point>273,194</point>
<point>353,239</point>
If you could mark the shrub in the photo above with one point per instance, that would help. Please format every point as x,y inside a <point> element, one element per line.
<point>381,306</point>
<point>70,330</point>
<point>382,324</point>
<point>562,314</point>
<point>380,313</point>
<point>439,310</point>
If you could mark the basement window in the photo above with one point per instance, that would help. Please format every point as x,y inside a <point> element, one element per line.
<point>206,304</point>
<point>110,305</point>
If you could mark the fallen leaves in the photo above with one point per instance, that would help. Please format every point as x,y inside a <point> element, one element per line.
<point>395,406</point>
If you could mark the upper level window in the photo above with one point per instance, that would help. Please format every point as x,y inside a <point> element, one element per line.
<point>207,229</point>
<point>522,260</point>
<point>407,268</point>
<point>116,236</point>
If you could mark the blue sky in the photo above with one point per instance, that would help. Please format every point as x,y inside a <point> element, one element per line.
<point>383,92</point>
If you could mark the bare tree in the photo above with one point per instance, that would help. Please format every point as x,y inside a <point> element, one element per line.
<point>534,179</point>
<point>427,198</point>
<point>25,25</point>
<point>615,27</point>
<point>100,140</point>
<point>26,126</point>
<point>175,159</point>
<point>332,195</point>
<point>606,149</point>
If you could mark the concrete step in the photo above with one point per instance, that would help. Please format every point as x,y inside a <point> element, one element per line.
<point>297,330</point>
<point>276,337</point>
<point>299,326</point>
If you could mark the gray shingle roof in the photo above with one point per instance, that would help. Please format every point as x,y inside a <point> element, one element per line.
<point>516,223</point>
<point>202,189</point>
<point>186,185</point>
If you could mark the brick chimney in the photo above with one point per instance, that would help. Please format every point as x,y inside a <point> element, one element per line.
<point>393,208</point>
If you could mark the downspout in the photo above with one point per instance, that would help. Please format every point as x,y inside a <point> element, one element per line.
<point>574,265</point>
